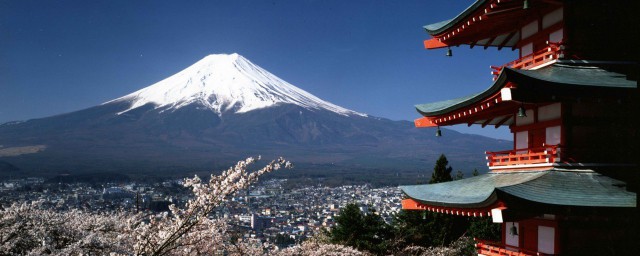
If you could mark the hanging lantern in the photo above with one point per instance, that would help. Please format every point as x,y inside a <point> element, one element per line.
<point>522,112</point>
<point>449,52</point>
<point>513,230</point>
<point>438,132</point>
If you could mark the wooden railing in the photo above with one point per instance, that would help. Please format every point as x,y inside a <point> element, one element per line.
<point>549,53</point>
<point>491,248</point>
<point>546,154</point>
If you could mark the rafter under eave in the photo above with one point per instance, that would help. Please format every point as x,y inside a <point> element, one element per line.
<point>489,42</point>
<point>487,122</point>
<point>506,40</point>
<point>501,122</point>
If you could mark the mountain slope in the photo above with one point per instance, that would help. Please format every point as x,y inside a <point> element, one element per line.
<point>219,110</point>
<point>226,83</point>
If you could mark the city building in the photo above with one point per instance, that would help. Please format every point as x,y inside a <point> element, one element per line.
<point>568,185</point>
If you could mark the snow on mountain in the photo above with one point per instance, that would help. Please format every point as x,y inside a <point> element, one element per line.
<point>226,82</point>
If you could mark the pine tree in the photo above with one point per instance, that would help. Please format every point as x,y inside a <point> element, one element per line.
<point>441,172</point>
<point>364,231</point>
<point>349,226</point>
<point>429,228</point>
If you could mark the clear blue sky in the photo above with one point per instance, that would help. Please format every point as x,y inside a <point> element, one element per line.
<point>62,56</point>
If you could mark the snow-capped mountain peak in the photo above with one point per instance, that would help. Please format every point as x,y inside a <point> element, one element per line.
<point>223,83</point>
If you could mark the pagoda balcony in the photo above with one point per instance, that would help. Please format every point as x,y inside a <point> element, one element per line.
<point>490,248</point>
<point>543,155</point>
<point>544,56</point>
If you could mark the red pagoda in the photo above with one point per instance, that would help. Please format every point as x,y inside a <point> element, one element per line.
<point>568,186</point>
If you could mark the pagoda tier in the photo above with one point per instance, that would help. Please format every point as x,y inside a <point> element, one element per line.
<point>497,105</point>
<point>551,204</point>
<point>554,187</point>
<point>490,23</point>
<point>543,30</point>
<point>552,111</point>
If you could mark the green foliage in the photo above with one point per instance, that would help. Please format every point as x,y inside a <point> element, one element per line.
<point>441,171</point>
<point>284,240</point>
<point>362,231</point>
<point>427,229</point>
<point>411,228</point>
<point>349,225</point>
<point>485,229</point>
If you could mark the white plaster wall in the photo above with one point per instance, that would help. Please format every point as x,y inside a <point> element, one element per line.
<point>546,239</point>
<point>529,29</point>
<point>549,112</point>
<point>552,18</point>
<point>552,135</point>
<point>522,140</point>
<point>526,49</point>
<point>556,36</point>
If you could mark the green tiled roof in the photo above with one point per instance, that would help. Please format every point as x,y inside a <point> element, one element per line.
<point>442,107</point>
<point>439,27</point>
<point>574,188</point>
<point>578,75</point>
<point>566,76</point>
<point>557,187</point>
<point>478,191</point>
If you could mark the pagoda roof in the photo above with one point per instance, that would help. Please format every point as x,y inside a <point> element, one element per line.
<point>565,73</point>
<point>547,84</point>
<point>575,188</point>
<point>584,188</point>
<point>488,23</point>
<point>445,106</point>
<point>442,26</point>
<point>474,192</point>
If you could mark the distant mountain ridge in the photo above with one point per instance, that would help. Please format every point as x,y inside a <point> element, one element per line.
<point>221,109</point>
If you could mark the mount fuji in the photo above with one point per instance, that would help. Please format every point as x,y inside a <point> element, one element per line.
<point>218,110</point>
<point>226,83</point>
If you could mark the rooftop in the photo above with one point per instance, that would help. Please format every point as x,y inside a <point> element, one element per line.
<point>556,187</point>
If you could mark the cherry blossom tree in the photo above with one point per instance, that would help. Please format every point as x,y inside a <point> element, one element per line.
<point>189,230</point>
<point>28,229</point>
<point>315,248</point>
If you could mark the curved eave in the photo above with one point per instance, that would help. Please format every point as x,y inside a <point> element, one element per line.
<point>442,26</point>
<point>488,24</point>
<point>580,188</point>
<point>447,106</point>
<point>410,204</point>
<point>572,75</point>
<point>556,78</point>
<point>474,192</point>
<point>574,188</point>
<point>562,82</point>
